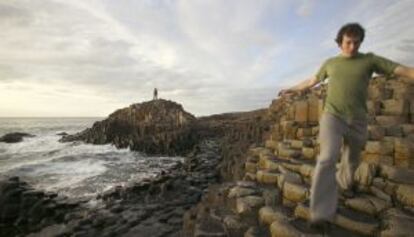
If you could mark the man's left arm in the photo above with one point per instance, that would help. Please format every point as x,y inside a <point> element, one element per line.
<point>407,73</point>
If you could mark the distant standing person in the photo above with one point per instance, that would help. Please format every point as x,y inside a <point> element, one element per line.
<point>155,94</point>
<point>344,121</point>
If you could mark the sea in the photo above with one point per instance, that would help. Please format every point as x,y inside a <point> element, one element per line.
<point>72,169</point>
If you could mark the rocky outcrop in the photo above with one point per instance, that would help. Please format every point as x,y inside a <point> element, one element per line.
<point>237,132</point>
<point>163,127</point>
<point>273,197</point>
<point>14,137</point>
<point>24,210</point>
<point>154,127</point>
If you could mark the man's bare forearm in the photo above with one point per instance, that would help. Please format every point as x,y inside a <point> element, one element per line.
<point>407,73</point>
<point>304,85</point>
<point>300,87</point>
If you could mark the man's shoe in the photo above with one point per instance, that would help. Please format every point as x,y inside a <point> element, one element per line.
<point>348,193</point>
<point>321,226</point>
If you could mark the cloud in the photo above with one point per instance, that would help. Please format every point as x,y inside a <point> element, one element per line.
<point>388,27</point>
<point>119,53</point>
<point>211,56</point>
<point>11,15</point>
<point>306,7</point>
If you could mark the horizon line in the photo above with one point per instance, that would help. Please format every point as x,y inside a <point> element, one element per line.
<point>9,117</point>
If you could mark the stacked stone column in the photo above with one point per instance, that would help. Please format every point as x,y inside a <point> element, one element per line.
<point>384,203</point>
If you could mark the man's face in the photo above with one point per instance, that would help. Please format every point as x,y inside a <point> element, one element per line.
<point>350,45</point>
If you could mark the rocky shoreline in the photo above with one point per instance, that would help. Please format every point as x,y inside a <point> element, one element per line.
<point>153,207</point>
<point>249,175</point>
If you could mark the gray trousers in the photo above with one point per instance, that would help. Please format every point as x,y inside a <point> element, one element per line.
<point>335,133</point>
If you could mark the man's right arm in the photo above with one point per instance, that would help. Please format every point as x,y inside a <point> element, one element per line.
<point>303,85</point>
<point>406,72</point>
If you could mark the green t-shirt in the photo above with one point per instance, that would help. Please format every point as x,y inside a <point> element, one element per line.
<point>348,82</point>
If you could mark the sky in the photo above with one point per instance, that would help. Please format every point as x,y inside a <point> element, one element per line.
<point>88,58</point>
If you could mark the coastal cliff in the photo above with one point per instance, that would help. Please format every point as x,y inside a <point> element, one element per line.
<point>164,127</point>
<point>154,127</point>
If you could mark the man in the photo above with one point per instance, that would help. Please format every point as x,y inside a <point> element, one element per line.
<point>155,94</point>
<point>344,121</point>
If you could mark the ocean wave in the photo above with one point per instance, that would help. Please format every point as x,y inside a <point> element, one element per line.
<point>75,169</point>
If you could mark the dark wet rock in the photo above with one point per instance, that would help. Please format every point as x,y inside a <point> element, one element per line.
<point>14,179</point>
<point>257,232</point>
<point>52,230</point>
<point>24,210</point>
<point>98,221</point>
<point>33,193</point>
<point>62,134</point>
<point>14,137</point>
<point>117,209</point>
<point>154,127</point>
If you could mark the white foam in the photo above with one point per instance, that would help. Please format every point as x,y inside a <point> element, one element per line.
<point>35,144</point>
<point>38,150</point>
<point>67,175</point>
<point>75,168</point>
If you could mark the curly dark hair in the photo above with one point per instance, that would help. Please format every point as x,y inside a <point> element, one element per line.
<point>350,29</point>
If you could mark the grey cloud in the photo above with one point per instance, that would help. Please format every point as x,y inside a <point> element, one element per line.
<point>8,73</point>
<point>40,14</point>
<point>406,47</point>
<point>408,41</point>
<point>230,100</point>
<point>104,53</point>
<point>123,81</point>
<point>196,53</point>
<point>305,8</point>
<point>166,81</point>
<point>12,15</point>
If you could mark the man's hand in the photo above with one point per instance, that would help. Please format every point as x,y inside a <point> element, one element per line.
<point>287,92</point>
<point>403,71</point>
<point>300,88</point>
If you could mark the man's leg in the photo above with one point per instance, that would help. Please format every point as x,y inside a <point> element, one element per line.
<point>323,200</point>
<point>354,141</point>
